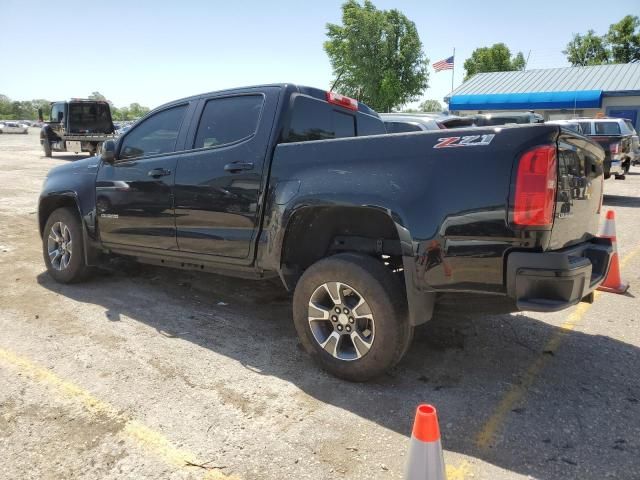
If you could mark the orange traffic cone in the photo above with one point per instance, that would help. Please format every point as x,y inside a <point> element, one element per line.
<point>613,282</point>
<point>425,452</point>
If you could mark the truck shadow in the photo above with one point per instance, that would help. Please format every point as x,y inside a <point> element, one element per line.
<point>580,418</point>
<point>620,201</point>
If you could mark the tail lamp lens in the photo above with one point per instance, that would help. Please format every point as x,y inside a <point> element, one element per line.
<point>536,184</point>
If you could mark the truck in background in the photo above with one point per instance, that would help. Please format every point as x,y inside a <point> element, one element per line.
<point>76,126</point>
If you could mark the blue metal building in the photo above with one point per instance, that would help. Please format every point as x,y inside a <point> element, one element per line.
<point>556,93</point>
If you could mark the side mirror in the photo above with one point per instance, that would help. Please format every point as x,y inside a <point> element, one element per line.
<point>60,116</point>
<point>108,151</point>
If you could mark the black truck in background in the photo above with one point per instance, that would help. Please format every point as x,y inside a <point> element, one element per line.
<point>369,230</point>
<point>76,126</point>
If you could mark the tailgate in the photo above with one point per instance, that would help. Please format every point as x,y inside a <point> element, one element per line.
<point>579,194</point>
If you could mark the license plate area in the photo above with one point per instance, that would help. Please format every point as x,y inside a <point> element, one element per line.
<point>73,146</point>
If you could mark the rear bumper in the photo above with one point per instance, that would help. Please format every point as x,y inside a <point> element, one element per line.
<point>552,281</point>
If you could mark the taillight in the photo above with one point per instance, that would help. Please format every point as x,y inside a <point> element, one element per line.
<point>614,148</point>
<point>536,185</point>
<point>346,102</point>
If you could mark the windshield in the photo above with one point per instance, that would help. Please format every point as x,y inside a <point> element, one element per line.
<point>90,117</point>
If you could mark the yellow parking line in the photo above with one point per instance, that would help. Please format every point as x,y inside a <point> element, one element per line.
<point>517,392</point>
<point>144,436</point>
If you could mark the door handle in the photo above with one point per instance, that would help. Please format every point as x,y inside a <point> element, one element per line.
<point>159,172</point>
<point>238,166</point>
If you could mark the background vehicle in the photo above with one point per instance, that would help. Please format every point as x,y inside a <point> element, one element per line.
<point>572,125</point>
<point>76,126</point>
<point>415,122</point>
<point>635,143</point>
<point>13,127</point>
<point>367,229</point>
<point>505,118</point>
<point>616,138</point>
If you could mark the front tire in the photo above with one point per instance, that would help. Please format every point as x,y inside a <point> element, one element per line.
<point>350,314</point>
<point>63,247</point>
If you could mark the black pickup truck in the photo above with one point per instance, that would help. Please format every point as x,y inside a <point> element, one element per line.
<point>368,229</point>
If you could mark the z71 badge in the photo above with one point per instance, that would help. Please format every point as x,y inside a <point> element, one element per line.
<point>466,141</point>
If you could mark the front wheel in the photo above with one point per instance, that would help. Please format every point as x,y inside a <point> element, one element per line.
<point>46,146</point>
<point>63,248</point>
<point>350,313</point>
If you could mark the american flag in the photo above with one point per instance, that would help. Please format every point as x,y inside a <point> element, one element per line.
<point>446,64</point>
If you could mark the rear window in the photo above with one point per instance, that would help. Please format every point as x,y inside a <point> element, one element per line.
<point>607,128</point>
<point>313,119</point>
<point>400,127</point>
<point>90,118</point>
<point>493,120</point>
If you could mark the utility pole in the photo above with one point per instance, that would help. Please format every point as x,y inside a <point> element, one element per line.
<point>453,69</point>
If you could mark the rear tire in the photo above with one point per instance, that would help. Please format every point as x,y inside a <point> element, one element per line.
<point>371,333</point>
<point>63,246</point>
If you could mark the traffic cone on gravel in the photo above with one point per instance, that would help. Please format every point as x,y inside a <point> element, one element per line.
<point>613,282</point>
<point>425,452</point>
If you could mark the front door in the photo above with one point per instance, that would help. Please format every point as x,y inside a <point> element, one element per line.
<point>134,200</point>
<point>218,183</point>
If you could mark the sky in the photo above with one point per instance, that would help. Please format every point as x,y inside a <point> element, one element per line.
<point>152,52</point>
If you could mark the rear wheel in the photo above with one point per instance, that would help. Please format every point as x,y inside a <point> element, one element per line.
<point>350,314</point>
<point>62,246</point>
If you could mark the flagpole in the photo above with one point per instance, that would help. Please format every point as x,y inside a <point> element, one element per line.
<point>453,69</point>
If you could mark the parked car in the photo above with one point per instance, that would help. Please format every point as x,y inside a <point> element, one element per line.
<point>367,229</point>
<point>616,138</point>
<point>415,122</point>
<point>76,126</point>
<point>635,143</point>
<point>572,125</point>
<point>13,127</point>
<point>505,118</point>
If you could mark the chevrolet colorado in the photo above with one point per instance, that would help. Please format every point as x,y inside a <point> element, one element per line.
<point>368,229</point>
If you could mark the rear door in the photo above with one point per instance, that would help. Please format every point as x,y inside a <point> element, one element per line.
<point>218,182</point>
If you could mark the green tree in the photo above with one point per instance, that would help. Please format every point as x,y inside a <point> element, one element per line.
<point>623,39</point>
<point>496,58</point>
<point>97,96</point>
<point>136,111</point>
<point>430,106</point>
<point>588,49</point>
<point>5,108</point>
<point>376,56</point>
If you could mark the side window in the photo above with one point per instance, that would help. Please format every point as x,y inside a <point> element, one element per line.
<point>586,127</point>
<point>57,112</point>
<point>227,120</point>
<point>607,128</point>
<point>155,135</point>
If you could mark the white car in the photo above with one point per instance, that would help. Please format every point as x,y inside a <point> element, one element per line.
<point>13,127</point>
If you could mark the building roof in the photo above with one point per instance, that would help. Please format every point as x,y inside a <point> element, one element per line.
<point>607,78</point>
<point>546,88</point>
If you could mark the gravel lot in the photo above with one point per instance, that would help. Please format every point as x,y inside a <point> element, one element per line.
<point>145,372</point>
